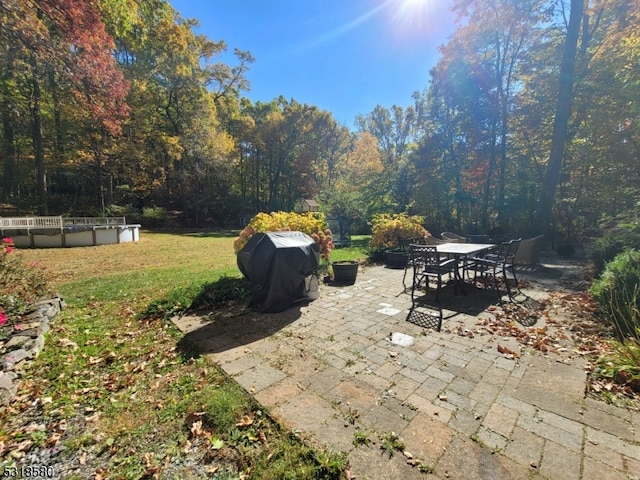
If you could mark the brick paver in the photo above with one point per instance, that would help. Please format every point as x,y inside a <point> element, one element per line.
<point>463,409</point>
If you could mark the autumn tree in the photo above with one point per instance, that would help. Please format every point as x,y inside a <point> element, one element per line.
<point>178,147</point>
<point>394,130</point>
<point>359,189</point>
<point>287,151</point>
<point>562,114</point>
<point>476,84</point>
<point>66,48</point>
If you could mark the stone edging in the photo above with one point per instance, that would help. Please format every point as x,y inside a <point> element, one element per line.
<point>25,345</point>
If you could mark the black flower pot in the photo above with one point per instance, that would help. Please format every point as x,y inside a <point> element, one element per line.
<point>345,272</point>
<point>395,259</point>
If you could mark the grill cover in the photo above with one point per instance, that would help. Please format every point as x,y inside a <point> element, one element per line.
<point>282,268</point>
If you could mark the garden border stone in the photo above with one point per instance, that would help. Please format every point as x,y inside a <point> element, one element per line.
<point>25,345</point>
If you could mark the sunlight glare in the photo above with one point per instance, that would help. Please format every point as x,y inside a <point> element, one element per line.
<point>413,3</point>
<point>419,19</point>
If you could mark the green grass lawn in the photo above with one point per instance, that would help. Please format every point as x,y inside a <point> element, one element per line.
<point>358,250</point>
<point>133,405</point>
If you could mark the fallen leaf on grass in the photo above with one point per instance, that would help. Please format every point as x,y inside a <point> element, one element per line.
<point>53,440</point>
<point>17,449</point>
<point>65,342</point>
<point>217,443</point>
<point>245,421</point>
<point>196,429</point>
<point>187,447</point>
<point>194,417</point>
<point>34,427</point>
<point>151,470</point>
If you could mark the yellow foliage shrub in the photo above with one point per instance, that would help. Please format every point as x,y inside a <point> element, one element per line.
<point>389,231</point>
<point>313,224</point>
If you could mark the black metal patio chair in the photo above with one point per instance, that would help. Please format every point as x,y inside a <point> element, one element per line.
<point>495,265</point>
<point>427,265</point>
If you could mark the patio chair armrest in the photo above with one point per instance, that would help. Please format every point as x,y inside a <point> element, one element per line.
<point>448,263</point>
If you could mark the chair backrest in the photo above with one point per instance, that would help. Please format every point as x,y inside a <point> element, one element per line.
<point>529,251</point>
<point>424,254</point>
<point>405,244</point>
<point>453,237</point>
<point>506,251</point>
<point>429,240</point>
<point>510,249</point>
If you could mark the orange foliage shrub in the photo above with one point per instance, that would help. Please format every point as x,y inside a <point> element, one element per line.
<point>313,224</point>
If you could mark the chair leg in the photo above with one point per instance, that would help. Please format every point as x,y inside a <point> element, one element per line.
<point>413,287</point>
<point>515,279</point>
<point>404,277</point>
<point>417,282</point>
<point>506,281</point>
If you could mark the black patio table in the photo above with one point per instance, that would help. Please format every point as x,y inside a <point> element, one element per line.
<point>459,251</point>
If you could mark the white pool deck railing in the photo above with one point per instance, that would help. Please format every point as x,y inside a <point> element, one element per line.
<point>58,222</point>
<point>59,231</point>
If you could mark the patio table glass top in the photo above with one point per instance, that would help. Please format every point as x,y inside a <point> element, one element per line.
<point>463,249</point>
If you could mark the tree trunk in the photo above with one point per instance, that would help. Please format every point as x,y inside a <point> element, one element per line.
<point>563,112</point>
<point>58,139</point>
<point>9,153</point>
<point>9,149</point>
<point>486,195</point>
<point>38,144</point>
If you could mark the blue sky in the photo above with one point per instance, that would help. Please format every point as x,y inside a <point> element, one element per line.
<point>344,56</point>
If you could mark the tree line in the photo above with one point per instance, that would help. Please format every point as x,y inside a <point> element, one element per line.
<point>528,123</point>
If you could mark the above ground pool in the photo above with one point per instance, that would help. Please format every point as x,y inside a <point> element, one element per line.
<point>51,232</point>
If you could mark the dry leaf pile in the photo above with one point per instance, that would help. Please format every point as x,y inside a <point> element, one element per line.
<point>564,325</point>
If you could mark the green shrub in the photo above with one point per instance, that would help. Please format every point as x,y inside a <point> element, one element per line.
<point>151,217</point>
<point>617,292</point>
<point>21,285</point>
<point>620,365</point>
<point>612,243</point>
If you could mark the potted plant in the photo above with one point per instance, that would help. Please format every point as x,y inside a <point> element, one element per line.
<point>391,233</point>
<point>395,258</point>
<point>345,272</point>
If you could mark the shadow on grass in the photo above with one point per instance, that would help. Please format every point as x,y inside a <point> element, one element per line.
<point>213,234</point>
<point>198,297</point>
<point>231,328</point>
<point>188,232</point>
<point>215,317</point>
